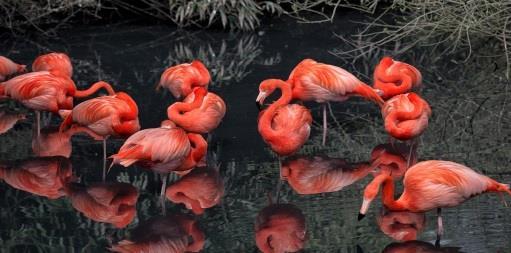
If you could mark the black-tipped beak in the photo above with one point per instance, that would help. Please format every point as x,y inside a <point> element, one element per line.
<point>259,106</point>
<point>361,216</point>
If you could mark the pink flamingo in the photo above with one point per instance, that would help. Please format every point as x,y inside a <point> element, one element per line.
<point>45,177</point>
<point>280,228</point>
<point>197,155</point>
<point>406,116</point>
<point>109,202</point>
<point>56,63</point>
<point>431,185</point>
<point>174,233</point>
<point>162,149</point>
<point>9,68</point>
<point>319,82</point>
<point>200,112</point>
<point>418,246</point>
<point>181,79</point>
<point>198,190</point>
<point>312,175</point>
<point>114,115</point>
<point>285,127</point>
<point>395,77</point>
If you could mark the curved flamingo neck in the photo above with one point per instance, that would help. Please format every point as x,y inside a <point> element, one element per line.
<point>199,146</point>
<point>388,195</point>
<point>176,111</point>
<point>285,98</point>
<point>95,87</point>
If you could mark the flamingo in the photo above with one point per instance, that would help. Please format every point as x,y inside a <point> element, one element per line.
<point>115,115</point>
<point>197,155</point>
<point>406,116</point>
<point>312,175</point>
<point>174,233</point>
<point>200,189</point>
<point>285,127</point>
<point>395,77</point>
<point>162,149</point>
<point>52,142</point>
<point>109,202</point>
<point>431,185</point>
<point>45,177</point>
<point>56,63</point>
<point>401,225</point>
<point>320,82</point>
<point>200,112</point>
<point>280,228</point>
<point>8,120</point>
<point>42,91</point>
<point>181,79</point>
<point>9,68</point>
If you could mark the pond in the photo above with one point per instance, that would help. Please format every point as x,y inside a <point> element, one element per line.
<point>470,124</point>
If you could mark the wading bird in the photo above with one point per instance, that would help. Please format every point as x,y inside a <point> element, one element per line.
<point>200,112</point>
<point>42,91</point>
<point>395,77</point>
<point>313,175</point>
<point>9,68</point>
<point>115,115</point>
<point>175,233</point>
<point>162,150</point>
<point>280,228</point>
<point>56,63</point>
<point>285,127</point>
<point>181,79</point>
<point>406,116</point>
<point>322,83</point>
<point>109,202</point>
<point>431,185</point>
<point>198,190</point>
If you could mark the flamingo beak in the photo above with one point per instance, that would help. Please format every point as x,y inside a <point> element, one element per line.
<point>361,216</point>
<point>364,208</point>
<point>260,99</point>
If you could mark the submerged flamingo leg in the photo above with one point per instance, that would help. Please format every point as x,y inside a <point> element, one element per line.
<point>162,193</point>
<point>440,228</point>
<point>323,142</point>
<point>104,158</point>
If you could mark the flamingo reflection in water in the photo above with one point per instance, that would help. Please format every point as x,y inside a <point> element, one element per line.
<point>401,225</point>
<point>198,190</point>
<point>280,228</point>
<point>418,246</point>
<point>109,202</point>
<point>45,176</point>
<point>395,158</point>
<point>8,120</point>
<point>52,142</point>
<point>320,174</point>
<point>174,233</point>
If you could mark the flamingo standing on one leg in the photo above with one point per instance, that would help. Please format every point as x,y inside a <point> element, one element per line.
<point>9,68</point>
<point>42,91</point>
<point>395,77</point>
<point>181,79</point>
<point>162,149</point>
<point>315,81</point>
<point>115,115</point>
<point>431,185</point>
<point>55,63</point>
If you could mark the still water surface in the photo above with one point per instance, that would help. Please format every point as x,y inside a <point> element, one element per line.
<point>470,125</point>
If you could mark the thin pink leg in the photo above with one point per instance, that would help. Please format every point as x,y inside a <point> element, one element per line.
<point>162,193</point>
<point>440,224</point>
<point>38,123</point>
<point>325,127</point>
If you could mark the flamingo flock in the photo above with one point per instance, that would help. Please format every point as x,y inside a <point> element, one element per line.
<point>179,145</point>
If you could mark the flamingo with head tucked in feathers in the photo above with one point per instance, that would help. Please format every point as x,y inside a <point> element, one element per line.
<point>181,79</point>
<point>394,77</point>
<point>56,63</point>
<point>406,116</point>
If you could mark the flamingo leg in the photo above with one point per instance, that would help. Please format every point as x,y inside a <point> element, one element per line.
<point>162,193</point>
<point>412,148</point>
<point>104,159</point>
<point>440,228</point>
<point>279,184</point>
<point>38,122</point>
<point>325,127</point>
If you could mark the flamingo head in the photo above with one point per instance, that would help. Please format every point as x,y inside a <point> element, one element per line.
<point>370,193</point>
<point>22,69</point>
<point>266,88</point>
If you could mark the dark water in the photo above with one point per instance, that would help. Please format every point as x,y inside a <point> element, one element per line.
<point>469,125</point>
